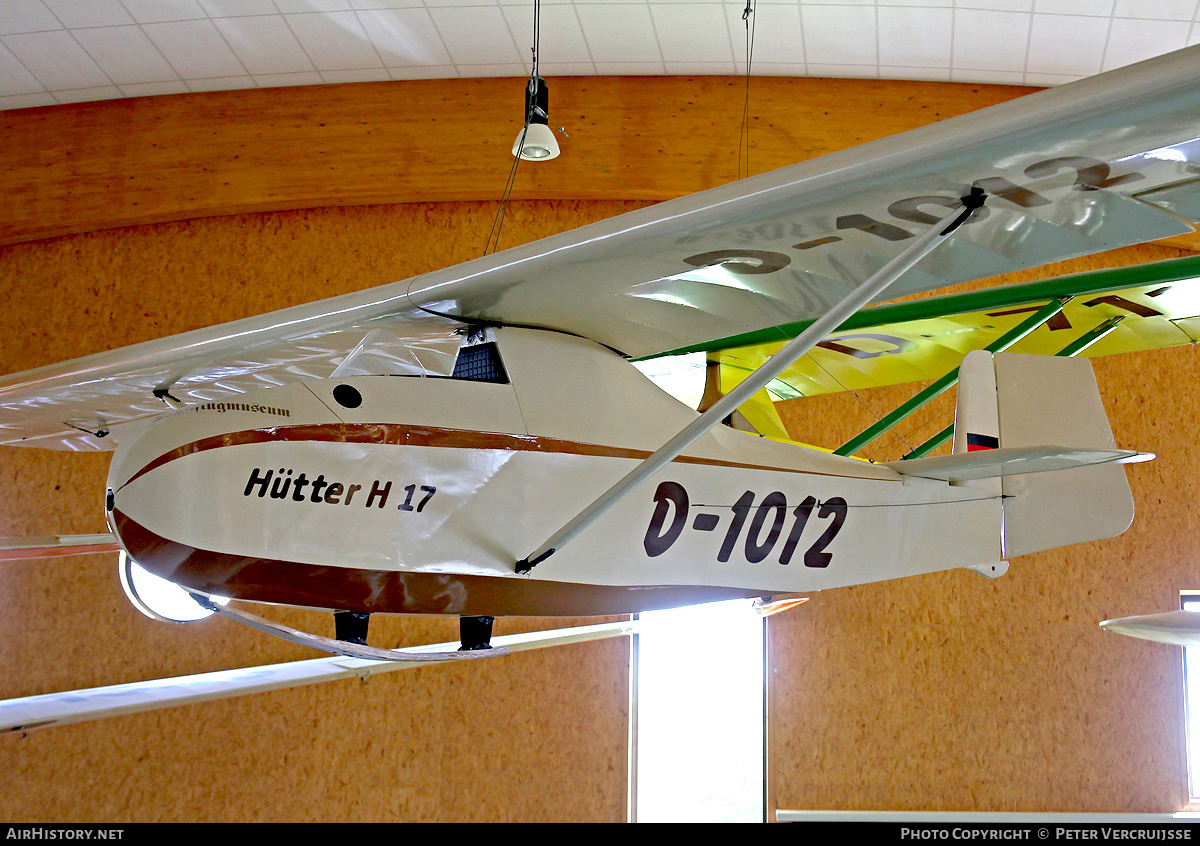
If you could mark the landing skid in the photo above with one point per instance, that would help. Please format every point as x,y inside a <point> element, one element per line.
<point>341,647</point>
<point>351,627</point>
<point>475,633</point>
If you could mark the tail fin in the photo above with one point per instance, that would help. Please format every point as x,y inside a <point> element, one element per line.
<point>1017,401</point>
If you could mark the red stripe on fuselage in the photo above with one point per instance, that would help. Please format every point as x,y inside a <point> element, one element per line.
<point>390,591</point>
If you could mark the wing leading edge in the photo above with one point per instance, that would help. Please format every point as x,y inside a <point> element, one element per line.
<point>1094,165</point>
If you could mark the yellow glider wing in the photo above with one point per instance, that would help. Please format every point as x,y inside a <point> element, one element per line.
<point>1106,312</point>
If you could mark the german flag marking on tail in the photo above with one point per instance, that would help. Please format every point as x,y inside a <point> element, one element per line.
<point>979,442</point>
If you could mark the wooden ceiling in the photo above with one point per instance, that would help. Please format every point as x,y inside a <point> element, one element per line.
<point>82,167</point>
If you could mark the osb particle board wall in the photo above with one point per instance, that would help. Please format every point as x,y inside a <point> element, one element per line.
<point>946,691</point>
<point>485,741</point>
<point>956,692</point>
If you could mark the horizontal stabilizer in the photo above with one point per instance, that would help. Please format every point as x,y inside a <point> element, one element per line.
<point>1011,461</point>
<point>1181,628</point>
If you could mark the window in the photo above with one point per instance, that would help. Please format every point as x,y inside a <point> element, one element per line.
<point>698,715</point>
<point>1191,679</point>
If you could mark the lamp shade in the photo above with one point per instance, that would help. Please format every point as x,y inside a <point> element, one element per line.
<point>536,143</point>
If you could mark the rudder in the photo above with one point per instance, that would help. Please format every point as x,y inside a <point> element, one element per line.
<point>1013,400</point>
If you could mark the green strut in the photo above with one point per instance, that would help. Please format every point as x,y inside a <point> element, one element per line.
<point>921,398</point>
<point>1069,351</point>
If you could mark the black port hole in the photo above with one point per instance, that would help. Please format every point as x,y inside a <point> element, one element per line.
<point>347,396</point>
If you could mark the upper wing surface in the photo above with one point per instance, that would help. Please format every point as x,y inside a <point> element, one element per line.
<point>1102,163</point>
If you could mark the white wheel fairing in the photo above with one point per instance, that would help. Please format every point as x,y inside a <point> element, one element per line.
<point>158,598</point>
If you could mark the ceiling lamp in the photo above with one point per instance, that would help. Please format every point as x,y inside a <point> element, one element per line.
<point>536,142</point>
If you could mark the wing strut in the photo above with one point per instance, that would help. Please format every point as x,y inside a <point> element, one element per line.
<point>798,346</point>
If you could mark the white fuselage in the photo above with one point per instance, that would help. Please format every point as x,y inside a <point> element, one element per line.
<point>387,493</point>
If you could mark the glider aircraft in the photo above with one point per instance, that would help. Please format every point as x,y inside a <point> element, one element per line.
<point>477,441</point>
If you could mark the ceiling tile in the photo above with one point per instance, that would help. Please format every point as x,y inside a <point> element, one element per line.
<point>911,72</point>
<point>619,33</point>
<point>1051,79</point>
<point>379,74</point>
<point>281,80</point>
<point>996,77</point>
<point>476,34</point>
<point>1132,41</point>
<point>299,6</point>
<point>405,38</point>
<point>561,35</point>
<point>630,68</point>
<point>1067,44</point>
<point>779,68</point>
<point>195,49</point>
<point>997,5</point>
<point>701,68</point>
<point>778,37</point>
<point>692,32</point>
<point>1096,8</point>
<point>56,60</point>
<point>827,69</point>
<point>991,41</point>
<point>238,8</point>
<point>516,71</point>
<point>915,37</point>
<point>839,34</point>
<point>125,54</point>
<point>1175,10</point>
<point>223,83</point>
<point>14,78</point>
<point>78,13</point>
<point>156,11</point>
<point>26,16</point>
<point>334,40</point>
<point>87,95</point>
<point>28,101</point>
<point>131,46</point>
<point>553,69</point>
<point>154,89</point>
<point>426,72</point>
<point>265,45</point>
